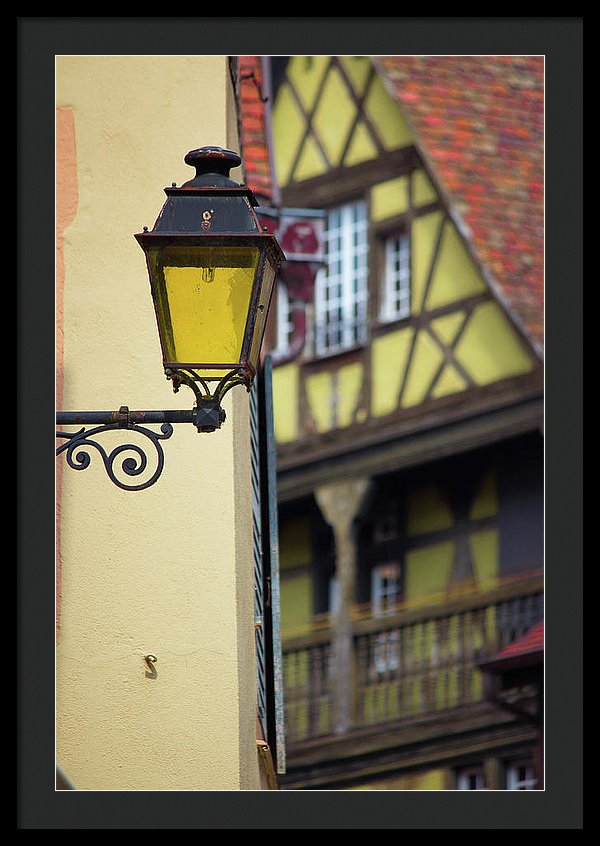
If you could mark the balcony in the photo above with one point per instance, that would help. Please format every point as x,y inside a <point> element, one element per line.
<point>418,662</point>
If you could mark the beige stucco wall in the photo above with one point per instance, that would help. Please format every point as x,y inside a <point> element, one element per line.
<point>166,571</point>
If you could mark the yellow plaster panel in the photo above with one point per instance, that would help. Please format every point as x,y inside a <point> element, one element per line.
<point>446,327</point>
<point>485,501</point>
<point>285,402</point>
<point>455,275</point>
<point>296,603</point>
<point>362,148</point>
<point>385,114</point>
<point>449,382</point>
<point>306,75</point>
<point>424,234</point>
<point>389,198</point>
<point>423,191</point>
<point>349,383</point>
<point>333,118</point>
<point>428,780</point>
<point>490,348</point>
<point>311,162</point>
<point>319,394</point>
<point>428,571</point>
<point>388,356</point>
<point>426,359</point>
<point>432,780</point>
<point>485,554</point>
<point>288,131</point>
<point>357,68</point>
<point>294,543</point>
<point>427,511</point>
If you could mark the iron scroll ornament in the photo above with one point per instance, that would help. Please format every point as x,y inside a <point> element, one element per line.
<point>207,416</point>
<point>78,446</point>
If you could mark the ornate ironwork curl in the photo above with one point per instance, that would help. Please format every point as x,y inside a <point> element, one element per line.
<point>79,459</point>
<point>237,376</point>
<point>209,412</point>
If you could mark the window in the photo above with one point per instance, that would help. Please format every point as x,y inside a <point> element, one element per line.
<point>520,776</point>
<point>284,323</point>
<point>386,523</point>
<point>333,595</point>
<point>395,294</point>
<point>385,594</point>
<point>341,291</point>
<point>471,778</point>
<point>385,588</point>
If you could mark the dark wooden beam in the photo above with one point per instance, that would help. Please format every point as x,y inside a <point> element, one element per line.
<point>400,443</point>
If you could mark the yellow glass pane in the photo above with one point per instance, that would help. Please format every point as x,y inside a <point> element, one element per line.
<point>203,297</point>
<point>268,278</point>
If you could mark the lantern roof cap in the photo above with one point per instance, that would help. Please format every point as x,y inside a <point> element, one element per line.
<point>212,167</point>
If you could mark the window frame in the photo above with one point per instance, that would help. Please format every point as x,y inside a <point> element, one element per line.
<point>387,281</point>
<point>283,322</point>
<point>465,773</point>
<point>512,779</point>
<point>381,594</point>
<point>347,270</point>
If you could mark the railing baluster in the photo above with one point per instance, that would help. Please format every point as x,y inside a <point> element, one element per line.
<point>362,678</point>
<point>412,666</point>
<point>460,661</point>
<point>314,692</point>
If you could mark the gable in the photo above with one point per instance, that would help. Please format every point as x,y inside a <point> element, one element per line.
<point>332,112</point>
<point>338,136</point>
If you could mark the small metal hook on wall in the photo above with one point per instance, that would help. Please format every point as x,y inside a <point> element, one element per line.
<point>150,661</point>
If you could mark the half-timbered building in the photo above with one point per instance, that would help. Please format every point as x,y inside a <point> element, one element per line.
<point>406,343</point>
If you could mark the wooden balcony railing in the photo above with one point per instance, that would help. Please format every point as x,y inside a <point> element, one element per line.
<point>419,661</point>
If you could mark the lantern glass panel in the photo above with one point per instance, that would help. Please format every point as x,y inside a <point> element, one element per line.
<point>266,292</point>
<point>202,297</point>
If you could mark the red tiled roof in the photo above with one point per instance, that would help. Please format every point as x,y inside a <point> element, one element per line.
<point>532,641</point>
<point>523,650</point>
<point>479,124</point>
<point>253,129</point>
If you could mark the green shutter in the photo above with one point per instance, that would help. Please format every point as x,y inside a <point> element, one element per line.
<point>266,565</point>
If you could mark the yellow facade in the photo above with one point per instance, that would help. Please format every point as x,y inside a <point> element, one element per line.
<point>328,115</point>
<point>166,571</point>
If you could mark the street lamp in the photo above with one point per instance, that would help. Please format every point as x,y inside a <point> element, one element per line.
<point>212,270</point>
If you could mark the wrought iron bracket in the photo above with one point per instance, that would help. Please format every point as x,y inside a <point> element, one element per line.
<point>207,416</point>
<point>209,413</point>
<point>79,446</point>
